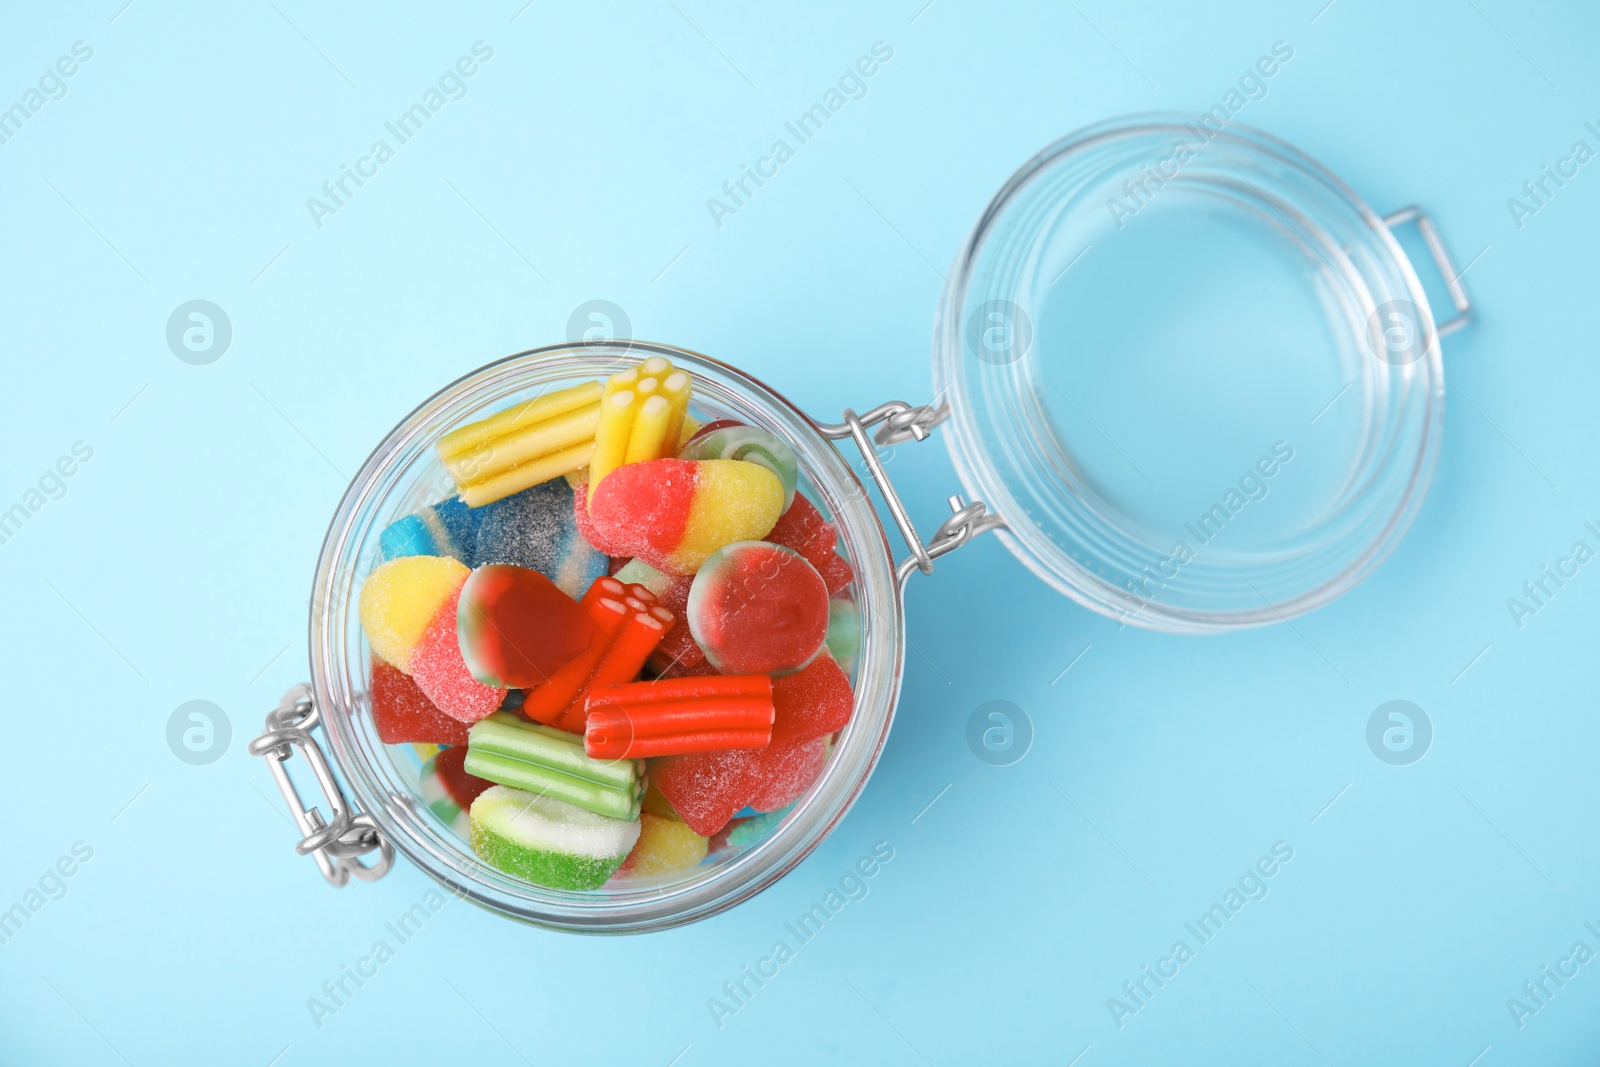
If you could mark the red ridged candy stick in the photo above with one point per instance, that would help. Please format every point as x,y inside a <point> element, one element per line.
<point>623,659</point>
<point>679,716</point>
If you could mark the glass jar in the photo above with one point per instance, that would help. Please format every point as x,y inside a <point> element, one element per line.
<point>1176,203</point>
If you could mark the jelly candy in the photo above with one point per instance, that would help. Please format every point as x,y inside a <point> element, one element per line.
<point>785,772</point>
<point>844,632</point>
<point>512,751</point>
<point>537,529</point>
<point>402,712</point>
<point>665,846</point>
<point>673,513</point>
<point>628,625</point>
<point>547,841</point>
<point>400,598</point>
<point>448,528</point>
<point>753,445</point>
<point>442,674</point>
<point>814,703</point>
<point>665,718</point>
<point>758,608</point>
<point>705,788</point>
<point>515,627</point>
<point>742,833</point>
<point>450,766</point>
<point>431,788</point>
<point>528,443</point>
<point>803,529</point>
<point>641,415</point>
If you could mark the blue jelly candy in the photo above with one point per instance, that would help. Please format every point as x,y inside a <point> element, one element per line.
<point>448,528</point>
<point>537,529</point>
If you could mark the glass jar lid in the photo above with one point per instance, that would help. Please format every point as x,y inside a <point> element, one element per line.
<point>1194,372</point>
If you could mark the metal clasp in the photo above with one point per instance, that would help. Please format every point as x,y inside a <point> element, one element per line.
<point>902,422</point>
<point>1441,259</point>
<point>335,842</point>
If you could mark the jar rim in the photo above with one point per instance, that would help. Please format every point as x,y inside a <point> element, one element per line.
<point>376,496</point>
<point>1079,543</point>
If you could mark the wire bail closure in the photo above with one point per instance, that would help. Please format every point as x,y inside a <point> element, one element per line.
<point>903,422</point>
<point>337,841</point>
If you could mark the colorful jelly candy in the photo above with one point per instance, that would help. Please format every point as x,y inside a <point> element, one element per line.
<point>758,608</point>
<point>448,528</point>
<point>752,444</point>
<point>537,529</point>
<point>440,671</point>
<point>673,513</point>
<point>628,624</point>
<point>516,628</point>
<point>665,846</point>
<point>786,772</point>
<point>400,598</point>
<point>742,833</point>
<point>641,415</point>
<point>844,632</point>
<point>450,766</point>
<point>403,713</point>
<point>512,751</point>
<point>547,841</point>
<point>528,443</point>
<point>803,529</point>
<point>666,718</point>
<point>814,703</point>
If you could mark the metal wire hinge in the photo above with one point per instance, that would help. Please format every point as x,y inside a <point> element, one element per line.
<point>897,422</point>
<point>336,841</point>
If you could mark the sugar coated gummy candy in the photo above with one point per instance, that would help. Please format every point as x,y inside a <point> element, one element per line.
<point>803,529</point>
<point>400,598</point>
<point>448,528</point>
<point>785,772</point>
<point>547,841</point>
<point>516,628</point>
<point>450,765</point>
<point>753,445</point>
<point>813,703</point>
<point>673,513</point>
<point>665,846</point>
<point>758,608</point>
<point>441,672</point>
<point>844,632</point>
<point>742,833</point>
<point>538,529</point>
<point>403,713</point>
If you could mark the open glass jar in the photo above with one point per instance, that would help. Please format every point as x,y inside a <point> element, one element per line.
<point>1019,350</point>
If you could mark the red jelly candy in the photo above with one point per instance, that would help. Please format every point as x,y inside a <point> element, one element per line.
<point>705,788</point>
<point>811,704</point>
<point>441,673</point>
<point>785,772</point>
<point>462,787</point>
<point>803,529</point>
<point>516,628</point>
<point>758,608</point>
<point>677,650</point>
<point>403,713</point>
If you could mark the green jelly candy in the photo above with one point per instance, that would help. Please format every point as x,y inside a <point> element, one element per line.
<point>547,841</point>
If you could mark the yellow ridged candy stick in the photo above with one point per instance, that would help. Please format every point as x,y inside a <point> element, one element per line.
<point>611,437</point>
<point>529,412</point>
<point>648,437</point>
<point>514,449</point>
<point>675,387</point>
<point>535,472</point>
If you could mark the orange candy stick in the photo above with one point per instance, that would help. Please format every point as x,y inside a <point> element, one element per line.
<point>679,716</point>
<point>623,659</point>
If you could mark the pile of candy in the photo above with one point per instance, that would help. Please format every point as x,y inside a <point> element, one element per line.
<point>624,646</point>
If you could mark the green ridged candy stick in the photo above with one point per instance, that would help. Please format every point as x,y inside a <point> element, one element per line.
<point>540,759</point>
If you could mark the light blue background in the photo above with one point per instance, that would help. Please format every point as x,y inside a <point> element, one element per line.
<point>178,564</point>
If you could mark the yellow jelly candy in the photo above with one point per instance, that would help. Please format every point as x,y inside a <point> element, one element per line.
<point>734,500</point>
<point>401,597</point>
<point>665,846</point>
